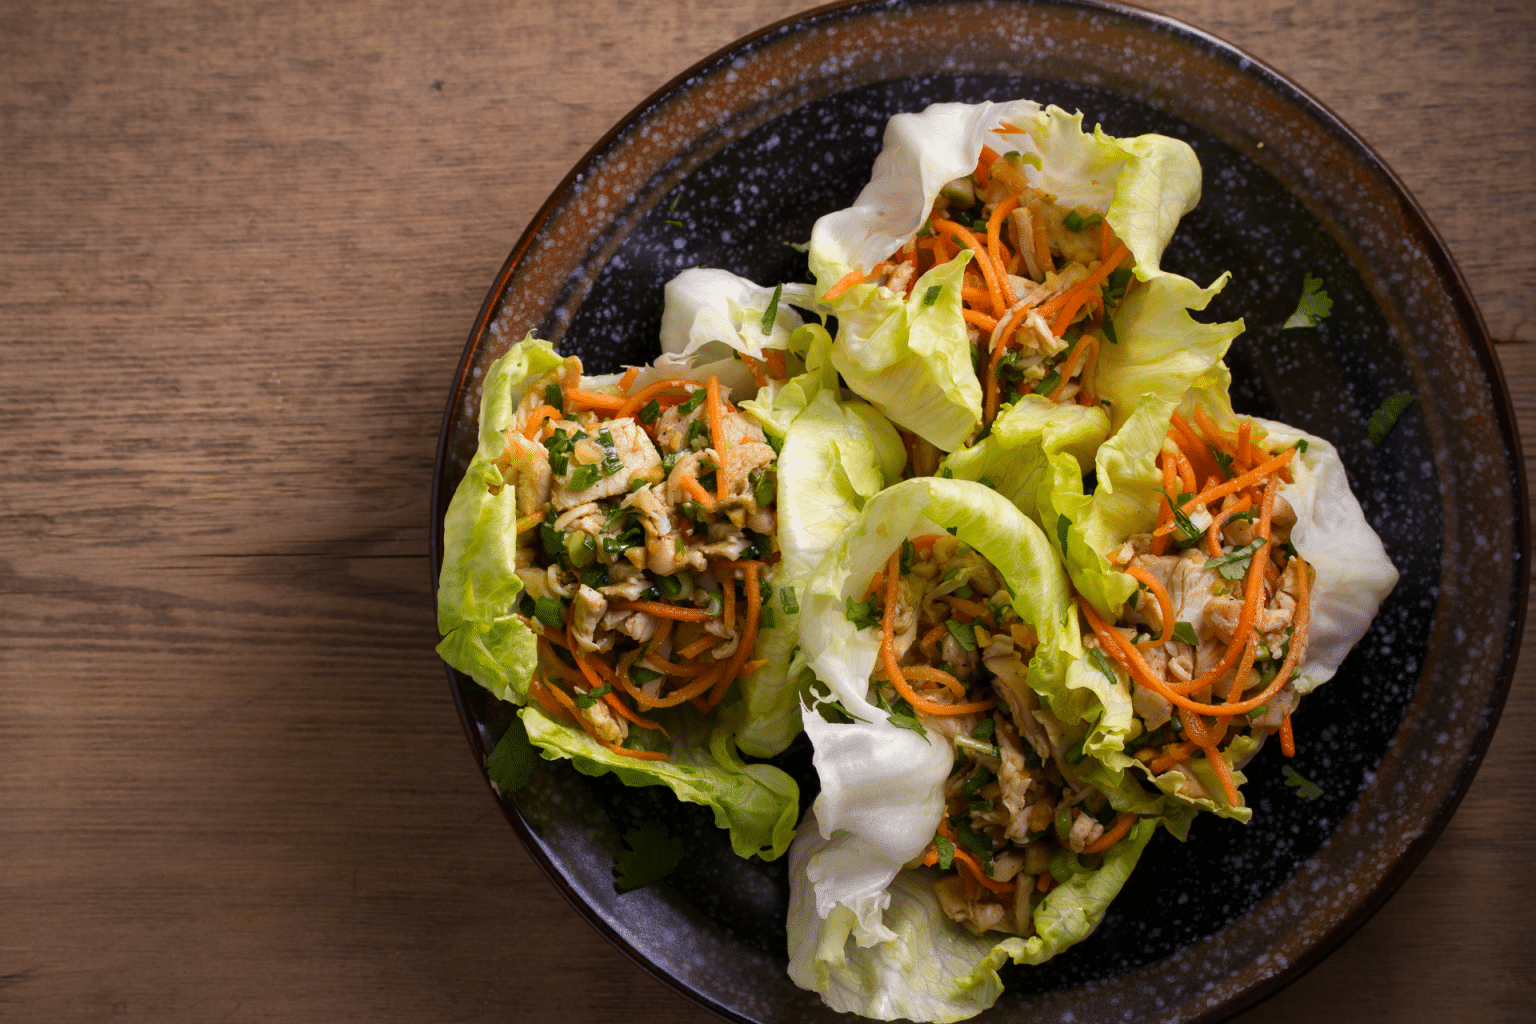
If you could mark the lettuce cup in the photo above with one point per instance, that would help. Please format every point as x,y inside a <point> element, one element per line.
<point>1224,569</point>
<point>612,555</point>
<point>958,824</point>
<point>998,251</point>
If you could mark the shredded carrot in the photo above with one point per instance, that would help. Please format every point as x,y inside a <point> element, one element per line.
<point>529,521</point>
<point>643,755</point>
<point>964,856</point>
<point>717,434</point>
<point>929,674</point>
<point>888,653</point>
<point>1045,882</point>
<point>1085,390</point>
<point>1164,605</point>
<point>775,359</point>
<point>682,694</point>
<point>746,638</point>
<point>758,376</point>
<point>1130,658</point>
<point>1213,532</point>
<point>1244,667</point>
<point>983,260</point>
<point>1120,831</point>
<point>628,380</point>
<point>537,690</point>
<point>1106,234</point>
<point>699,646</point>
<point>536,421</point>
<point>1172,754</point>
<point>930,641</point>
<point>980,319</point>
<point>984,164</point>
<point>1224,773</point>
<point>1070,366</point>
<point>1160,538</point>
<point>662,611</point>
<point>1237,483</point>
<point>633,403</point>
<point>931,857</point>
<point>1287,738</point>
<point>995,244</point>
<point>696,490</point>
<point>966,610</point>
<point>848,280</point>
<point>593,399</point>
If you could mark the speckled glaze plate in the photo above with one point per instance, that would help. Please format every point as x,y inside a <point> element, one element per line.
<point>736,159</point>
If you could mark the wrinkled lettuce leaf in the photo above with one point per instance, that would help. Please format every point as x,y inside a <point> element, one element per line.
<point>477,597</point>
<point>929,968</point>
<point>882,785</point>
<point>710,317</point>
<point>757,803</point>
<point>1142,185</point>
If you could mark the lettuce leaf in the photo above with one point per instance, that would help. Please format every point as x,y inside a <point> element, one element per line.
<point>712,316</point>
<point>931,969</point>
<point>882,785</point>
<point>477,599</point>
<point>1142,186</point>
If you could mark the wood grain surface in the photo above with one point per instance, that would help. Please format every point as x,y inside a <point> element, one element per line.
<point>241,247</point>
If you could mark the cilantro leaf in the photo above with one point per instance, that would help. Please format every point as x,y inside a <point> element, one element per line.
<point>1313,306</point>
<point>907,722</point>
<point>649,854</point>
<point>511,762</point>
<point>963,632</point>
<point>1305,788</point>
<point>1185,633</point>
<point>1234,564</point>
<point>1385,418</point>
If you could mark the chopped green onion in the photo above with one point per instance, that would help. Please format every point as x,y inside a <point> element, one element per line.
<point>548,611</point>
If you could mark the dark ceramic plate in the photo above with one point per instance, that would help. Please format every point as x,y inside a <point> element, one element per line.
<point>734,160</point>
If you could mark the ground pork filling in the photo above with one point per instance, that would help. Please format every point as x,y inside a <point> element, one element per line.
<point>1013,799</point>
<point>646,566</point>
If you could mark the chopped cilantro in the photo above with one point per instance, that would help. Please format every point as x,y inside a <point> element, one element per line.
<point>1223,460</point>
<point>1185,634</point>
<point>650,853</point>
<point>1234,565</point>
<point>1385,418</point>
<point>908,555</point>
<point>697,431</point>
<point>594,576</point>
<point>985,729</point>
<point>907,722</point>
<point>558,445</point>
<point>1313,306</point>
<point>1305,788</point>
<point>586,700</point>
<point>963,632</point>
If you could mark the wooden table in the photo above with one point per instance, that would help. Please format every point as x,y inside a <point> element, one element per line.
<point>241,247</point>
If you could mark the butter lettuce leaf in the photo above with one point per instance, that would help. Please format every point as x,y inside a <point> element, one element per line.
<point>882,785</point>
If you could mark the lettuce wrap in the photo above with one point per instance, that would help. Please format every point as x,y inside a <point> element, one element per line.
<point>963,279</point>
<point>919,781</point>
<point>1326,573</point>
